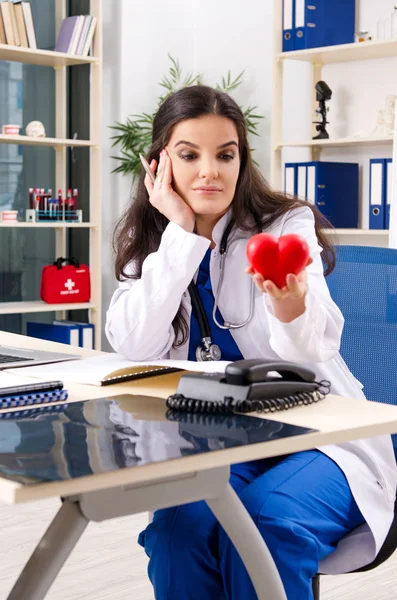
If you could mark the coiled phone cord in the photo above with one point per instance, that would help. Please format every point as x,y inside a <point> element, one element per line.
<point>178,402</point>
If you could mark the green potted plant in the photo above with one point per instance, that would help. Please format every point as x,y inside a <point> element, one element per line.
<point>134,136</point>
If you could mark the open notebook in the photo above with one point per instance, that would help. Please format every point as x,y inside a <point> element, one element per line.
<point>111,368</point>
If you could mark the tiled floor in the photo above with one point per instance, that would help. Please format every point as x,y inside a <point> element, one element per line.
<point>107,563</point>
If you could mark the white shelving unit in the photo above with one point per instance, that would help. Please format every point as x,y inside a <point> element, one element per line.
<point>318,57</point>
<point>60,61</point>
<point>54,142</point>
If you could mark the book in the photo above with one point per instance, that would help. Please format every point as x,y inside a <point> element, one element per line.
<point>109,368</point>
<point>65,34</point>
<point>20,19</point>
<point>5,8</point>
<point>76,35</point>
<point>3,39</point>
<point>90,35</point>
<point>83,35</point>
<point>14,24</point>
<point>27,13</point>
<point>65,333</point>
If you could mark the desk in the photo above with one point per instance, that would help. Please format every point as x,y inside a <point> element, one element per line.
<point>128,491</point>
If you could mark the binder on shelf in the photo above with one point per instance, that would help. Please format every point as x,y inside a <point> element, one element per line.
<point>64,334</point>
<point>331,187</point>
<point>318,23</point>
<point>288,25</point>
<point>377,193</point>
<point>86,332</point>
<point>389,190</point>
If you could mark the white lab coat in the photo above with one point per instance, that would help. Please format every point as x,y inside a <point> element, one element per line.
<point>139,327</point>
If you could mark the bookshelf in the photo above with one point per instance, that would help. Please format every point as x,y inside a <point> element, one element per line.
<point>60,143</point>
<point>344,52</point>
<point>318,58</point>
<point>336,143</point>
<point>36,306</point>
<point>46,141</point>
<point>43,58</point>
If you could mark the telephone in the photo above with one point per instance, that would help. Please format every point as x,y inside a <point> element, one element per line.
<point>248,385</point>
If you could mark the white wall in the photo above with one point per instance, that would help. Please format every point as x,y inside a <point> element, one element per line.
<point>212,36</point>
<point>207,36</point>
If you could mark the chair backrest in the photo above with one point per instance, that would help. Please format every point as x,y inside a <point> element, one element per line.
<point>364,286</point>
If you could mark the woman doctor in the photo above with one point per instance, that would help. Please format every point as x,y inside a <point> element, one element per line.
<point>325,510</point>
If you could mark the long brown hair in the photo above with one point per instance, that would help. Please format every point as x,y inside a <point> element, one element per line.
<point>255,205</point>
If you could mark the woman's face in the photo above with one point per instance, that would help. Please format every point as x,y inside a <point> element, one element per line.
<point>205,163</point>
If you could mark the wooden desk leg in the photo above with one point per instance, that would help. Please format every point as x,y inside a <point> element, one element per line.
<point>239,526</point>
<point>51,553</point>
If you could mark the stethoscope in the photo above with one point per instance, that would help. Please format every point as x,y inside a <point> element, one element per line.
<point>207,350</point>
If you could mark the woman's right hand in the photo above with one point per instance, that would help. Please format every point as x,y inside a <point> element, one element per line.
<point>163,197</point>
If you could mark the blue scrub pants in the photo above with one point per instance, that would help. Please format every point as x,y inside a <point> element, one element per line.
<point>302,506</point>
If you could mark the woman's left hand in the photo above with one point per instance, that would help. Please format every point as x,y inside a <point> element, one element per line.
<point>289,301</point>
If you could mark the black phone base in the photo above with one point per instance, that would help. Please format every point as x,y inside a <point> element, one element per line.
<point>247,386</point>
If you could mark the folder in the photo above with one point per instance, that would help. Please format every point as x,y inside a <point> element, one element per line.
<point>389,190</point>
<point>377,193</point>
<point>288,25</point>
<point>321,23</point>
<point>86,332</point>
<point>65,334</point>
<point>331,187</point>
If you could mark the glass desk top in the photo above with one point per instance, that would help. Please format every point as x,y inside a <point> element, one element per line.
<point>98,436</point>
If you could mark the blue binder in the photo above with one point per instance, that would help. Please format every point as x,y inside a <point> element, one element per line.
<point>377,193</point>
<point>65,334</point>
<point>389,190</point>
<point>331,187</point>
<point>323,23</point>
<point>288,25</point>
<point>86,332</point>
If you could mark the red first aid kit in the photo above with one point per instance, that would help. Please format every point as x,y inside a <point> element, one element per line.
<point>65,281</point>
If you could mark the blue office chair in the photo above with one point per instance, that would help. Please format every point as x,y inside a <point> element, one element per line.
<point>364,286</point>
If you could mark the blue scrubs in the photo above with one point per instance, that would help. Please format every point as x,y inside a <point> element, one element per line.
<point>222,337</point>
<point>301,504</point>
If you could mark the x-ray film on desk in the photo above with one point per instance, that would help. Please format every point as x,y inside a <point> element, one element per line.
<point>98,436</point>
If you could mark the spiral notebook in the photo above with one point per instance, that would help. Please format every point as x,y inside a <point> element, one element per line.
<point>108,368</point>
<point>17,392</point>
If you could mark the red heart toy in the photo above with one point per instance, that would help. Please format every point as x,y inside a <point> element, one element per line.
<point>275,257</point>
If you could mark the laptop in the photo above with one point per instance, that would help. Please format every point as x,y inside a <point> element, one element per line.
<point>18,357</point>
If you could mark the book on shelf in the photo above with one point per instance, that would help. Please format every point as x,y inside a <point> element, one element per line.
<point>20,20</point>
<point>16,24</point>
<point>3,39</point>
<point>75,35</point>
<point>30,32</point>
<point>108,368</point>
<point>5,8</point>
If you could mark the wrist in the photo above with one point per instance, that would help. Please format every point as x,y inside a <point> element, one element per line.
<point>186,225</point>
<point>288,309</point>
